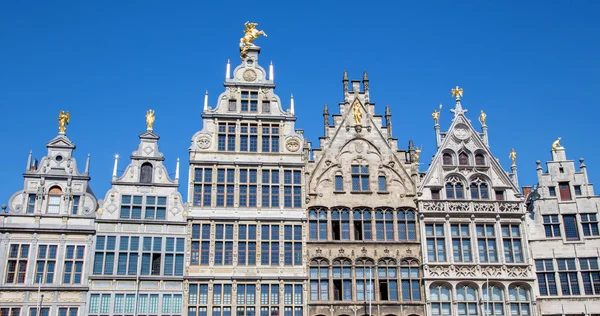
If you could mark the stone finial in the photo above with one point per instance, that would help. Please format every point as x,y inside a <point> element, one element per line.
<point>228,70</point>
<point>271,72</point>
<point>366,81</point>
<point>345,81</point>
<point>206,101</point>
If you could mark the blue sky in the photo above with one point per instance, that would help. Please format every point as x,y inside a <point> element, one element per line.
<point>532,66</point>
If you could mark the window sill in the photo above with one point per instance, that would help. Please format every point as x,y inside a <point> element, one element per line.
<point>361,192</point>
<point>383,192</point>
<point>339,192</point>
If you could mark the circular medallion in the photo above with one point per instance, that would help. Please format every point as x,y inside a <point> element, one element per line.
<point>249,75</point>
<point>461,132</point>
<point>203,141</point>
<point>293,144</point>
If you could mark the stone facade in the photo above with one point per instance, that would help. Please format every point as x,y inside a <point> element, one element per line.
<point>472,225</point>
<point>47,234</point>
<point>246,226</point>
<point>564,238</point>
<point>363,245</point>
<point>139,249</point>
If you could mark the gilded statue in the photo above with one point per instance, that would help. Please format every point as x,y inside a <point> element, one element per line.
<point>513,156</point>
<point>482,117</point>
<point>436,115</point>
<point>357,113</point>
<point>250,34</point>
<point>417,154</point>
<point>63,121</point>
<point>457,92</point>
<point>556,145</point>
<point>149,119</point>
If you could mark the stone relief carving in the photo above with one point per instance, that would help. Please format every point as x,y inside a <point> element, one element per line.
<point>458,207</point>
<point>293,144</point>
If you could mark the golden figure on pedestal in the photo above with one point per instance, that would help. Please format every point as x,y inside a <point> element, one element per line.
<point>63,121</point>
<point>149,119</point>
<point>356,112</point>
<point>457,92</point>
<point>250,34</point>
<point>513,156</point>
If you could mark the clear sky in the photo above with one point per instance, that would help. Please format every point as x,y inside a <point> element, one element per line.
<point>532,66</point>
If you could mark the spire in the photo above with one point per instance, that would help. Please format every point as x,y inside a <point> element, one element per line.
<point>177,170</point>
<point>388,119</point>
<point>345,81</point>
<point>114,175</point>
<point>206,101</point>
<point>271,73</point>
<point>325,118</point>
<point>292,104</point>
<point>29,161</point>
<point>365,81</point>
<point>228,70</point>
<point>583,169</point>
<point>87,165</point>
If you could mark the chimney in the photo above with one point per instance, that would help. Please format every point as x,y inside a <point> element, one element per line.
<point>526,191</point>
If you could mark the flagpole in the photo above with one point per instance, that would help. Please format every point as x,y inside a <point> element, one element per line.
<point>39,295</point>
<point>137,279</point>
<point>487,301</point>
<point>369,289</point>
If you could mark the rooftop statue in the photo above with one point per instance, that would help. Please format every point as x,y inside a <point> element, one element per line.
<point>149,119</point>
<point>556,145</point>
<point>513,156</point>
<point>250,34</point>
<point>63,121</point>
<point>482,118</point>
<point>357,113</point>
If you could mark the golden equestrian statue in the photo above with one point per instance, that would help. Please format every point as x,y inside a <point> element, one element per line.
<point>250,34</point>
<point>436,115</point>
<point>356,112</point>
<point>513,156</point>
<point>149,119</point>
<point>556,144</point>
<point>63,121</point>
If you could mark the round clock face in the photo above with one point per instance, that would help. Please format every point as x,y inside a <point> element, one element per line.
<point>249,75</point>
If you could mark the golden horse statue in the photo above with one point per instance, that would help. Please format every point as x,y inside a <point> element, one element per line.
<point>250,34</point>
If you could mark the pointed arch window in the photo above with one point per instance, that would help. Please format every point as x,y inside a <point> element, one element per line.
<point>146,173</point>
<point>440,300</point>
<point>362,219</point>
<point>479,190</point>
<point>384,224</point>
<point>479,160</point>
<point>319,280</point>
<point>463,159</point>
<point>407,223</point>
<point>318,224</point>
<point>455,189</point>
<point>447,159</point>
<point>466,297</point>
<point>518,298</point>
<point>409,273</point>
<point>365,278</point>
<point>493,300</point>
<point>54,195</point>
<point>387,276</point>
<point>340,224</point>
<point>342,279</point>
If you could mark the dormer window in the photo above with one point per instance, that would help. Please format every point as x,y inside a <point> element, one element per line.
<point>479,160</point>
<point>447,159</point>
<point>249,101</point>
<point>463,159</point>
<point>146,173</point>
<point>54,200</point>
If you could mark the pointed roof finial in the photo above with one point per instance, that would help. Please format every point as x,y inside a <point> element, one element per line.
<point>365,76</point>
<point>345,78</point>
<point>292,104</point>
<point>271,72</point>
<point>206,101</point>
<point>177,170</point>
<point>227,70</point>
<point>457,92</point>
<point>325,109</point>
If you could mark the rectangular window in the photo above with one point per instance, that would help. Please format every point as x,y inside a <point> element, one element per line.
<point>128,255</point>
<point>67,311</point>
<point>319,283</point>
<point>360,178</point>
<point>435,194</point>
<point>486,242</point>
<point>30,203</point>
<point>382,184</point>
<point>461,242</point>
<point>151,256</point>
<point>45,311</point>
<point>200,251</point>
<point>197,299</point>
<point>131,206</point>
<point>407,223</point>
<point>226,136</point>
<point>270,188</point>
<point>388,285</point>
<point>248,137</point>
<point>364,283</point>
<point>225,187</point>
<point>342,283</point>
<point>552,191</point>
<point>590,275</point>
<point>270,138</point>
<point>11,311</point>
<point>232,105</point>
<point>172,303</point>
<point>551,225</point>
<point>292,236</point>
<point>511,237</point>
<point>223,244</point>
<point>269,299</point>
<point>54,203</point>
<point>104,257</point>
<point>589,223</point>
<point>545,275</point>
<point>577,189</point>
<point>202,186</point>
<point>73,265</point>
<point>247,245</point>
<point>156,207</point>
<point>16,267</point>
<point>568,276</point>
<point>339,183</point>
<point>75,208</point>
<point>100,303</point>
<point>266,106</point>
<point>174,254</point>
<point>249,101</point>
<point>46,263</point>
<point>270,245</point>
<point>317,222</point>
<point>436,248</point>
<point>292,190</point>
<point>411,290</point>
<point>499,195</point>
<point>363,222</point>
<point>247,187</point>
<point>384,224</point>
<point>571,231</point>
<point>565,191</point>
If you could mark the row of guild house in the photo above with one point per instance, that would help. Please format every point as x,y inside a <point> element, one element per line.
<point>269,227</point>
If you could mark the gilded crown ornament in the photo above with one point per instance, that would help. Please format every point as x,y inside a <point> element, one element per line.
<point>149,119</point>
<point>63,121</point>
<point>457,92</point>
<point>250,34</point>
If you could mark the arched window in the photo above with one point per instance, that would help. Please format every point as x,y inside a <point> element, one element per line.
<point>479,190</point>
<point>54,195</point>
<point>479,160</point>
<point>362,224</point>
<point>463,159</point>
<point>146,173</point>
<point>493,300</point>
<point>387,275</point>
<point>440,300</point>
<point>342,279</point>
<point>455,189</point>
<point>409,273</point>
<point>340,224</point>
<point>384,224</point>
<point>518,297</point>
<point>447,159</point>
<point>407,223</point>
<point>319,280</point>
<point>365,279</point>
<point>317,219</point>
<point>466,297</point>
